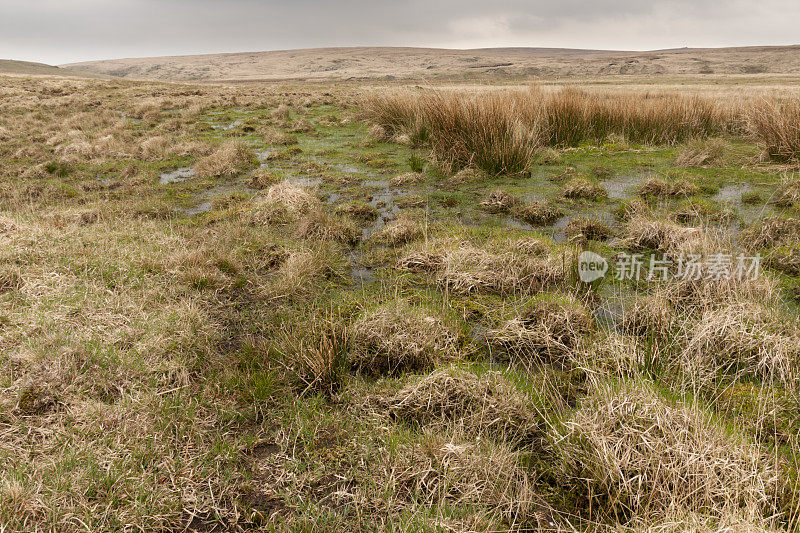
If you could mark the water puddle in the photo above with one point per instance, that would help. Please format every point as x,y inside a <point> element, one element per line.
<point>302,181</point>
<point>512,222</point>
<point>384,202</point>
<point>559,228</point>
<point>227,127</point>
<point>360,274</point>
<point>199,209</point>
<point>609,313</point>
<point>732,194</point>
<point>333,198</point>
<point>176,176</point>
<point>345,167</point>
<point>622,187</point>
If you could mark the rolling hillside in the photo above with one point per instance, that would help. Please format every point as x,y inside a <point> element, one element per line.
<point>431,63</point>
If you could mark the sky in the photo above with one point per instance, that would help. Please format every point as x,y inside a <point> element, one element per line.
<point>63,31</point>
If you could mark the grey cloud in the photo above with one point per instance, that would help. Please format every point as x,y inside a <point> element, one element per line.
<point>58,31</point>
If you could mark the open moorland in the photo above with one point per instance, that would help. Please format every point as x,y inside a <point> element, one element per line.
<point>437,64</point>
<point>311,307</point>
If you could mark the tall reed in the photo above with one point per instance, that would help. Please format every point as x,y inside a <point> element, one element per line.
<point>777,126</point>
<point>499,130</point>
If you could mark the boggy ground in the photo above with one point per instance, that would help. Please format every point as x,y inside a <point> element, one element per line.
<point>234,308</point>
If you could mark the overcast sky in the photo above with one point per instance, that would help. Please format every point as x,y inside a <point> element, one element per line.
<point>61,31</point>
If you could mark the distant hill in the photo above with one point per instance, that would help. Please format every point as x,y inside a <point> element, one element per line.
<point>28,68</point>
<point>433,63</point>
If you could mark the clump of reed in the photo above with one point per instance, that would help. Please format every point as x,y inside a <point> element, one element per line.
<point>777,126</point>
<point>500,131</point>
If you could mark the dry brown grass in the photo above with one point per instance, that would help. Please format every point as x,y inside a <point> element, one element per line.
<point>409,178</point>
<point>305,270</point>
<point>404,229</point>
<point>743,339</point>
<point>587,228</point>
<point>466,175</point>
<point>485,478</point>
<point>358,210</point>
<point>788,193</point>
<point>499,131</point>
<point>652,316</point>
<point>278,137</point>
<point>284,202</point>
<point>645,233</point>
<point>499,201</point>
<point>773,231</point>
<point>318,224</point>
<point>466,403</point>
<point>777,126</point>
<point>398,337</point>
<point>657,187</point>
<point>701,153</point>
<point>582,189</point>
<point>230,159</point>
<point>467,269</point>
<point>550,330</point>
<point>537,213</point>
<point>647,456</point>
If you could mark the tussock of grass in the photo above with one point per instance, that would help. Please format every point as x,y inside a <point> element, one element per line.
<point>301,125</point>
<point>788,194</point>
<point>398,337</point>
<point>499,267</point>
<point>485,478</point>
<point>318,224</point>
<point>647,456</point>
<point>467,269</point>
<point>278,137</point>
<point>701,153</point>
<point>742,339</point>
<point>537,213</point>
<point>315,352</point>
<point>281,114</point>
<point>400,231</point>
<point>645,233</point>
<point>785,258</point>
<point>466,175</point>
<point>304,270</point>
<point>422,262</point>
<point>656,187</point>
<point>499,201</point>
<point>284,201</point>
<point>228,160</point>
<point>588,228</point>
<point>650,316</point>
<point>484,130</point>
<point>773,231</point>
<point>550,329</point>
<point>358,210</point>
<point>467,403</point>
<point>409,178</point>
<point>582,189</point>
